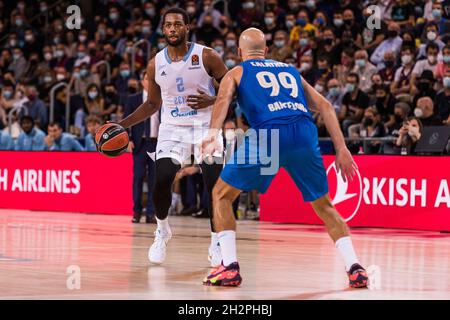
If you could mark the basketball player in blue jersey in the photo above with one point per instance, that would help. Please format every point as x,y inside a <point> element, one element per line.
<point>180,83</point>
<point>273,96</point>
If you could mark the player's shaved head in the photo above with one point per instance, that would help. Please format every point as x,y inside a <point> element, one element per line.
<point>252,44</point>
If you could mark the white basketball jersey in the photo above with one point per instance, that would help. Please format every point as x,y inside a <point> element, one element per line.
<point>178,80</point>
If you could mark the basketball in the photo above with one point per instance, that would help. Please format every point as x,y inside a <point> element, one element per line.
<point>111,139</point>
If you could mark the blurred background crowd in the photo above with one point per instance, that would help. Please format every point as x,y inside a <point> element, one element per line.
<point>387,77</point>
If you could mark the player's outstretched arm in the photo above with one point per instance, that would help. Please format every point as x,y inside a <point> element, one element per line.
<point>149,107</point>
<point>344,161</point>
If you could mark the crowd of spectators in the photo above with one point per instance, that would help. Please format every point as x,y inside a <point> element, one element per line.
<point>388,78</point>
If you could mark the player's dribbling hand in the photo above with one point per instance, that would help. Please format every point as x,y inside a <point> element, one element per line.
<point>345,164</point>
<point>200,101</point>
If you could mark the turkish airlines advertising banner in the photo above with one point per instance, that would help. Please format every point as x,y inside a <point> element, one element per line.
<point>389,191</point>
<point>66,181</point>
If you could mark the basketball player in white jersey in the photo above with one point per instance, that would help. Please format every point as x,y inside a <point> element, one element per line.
<point>181,83</point>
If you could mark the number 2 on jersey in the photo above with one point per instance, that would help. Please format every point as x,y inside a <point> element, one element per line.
<point>180,84</point>
<point>268,80</point>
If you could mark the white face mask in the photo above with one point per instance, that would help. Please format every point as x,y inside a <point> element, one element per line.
<point>60,77</point>
<point>406,59</point>
<point>431,35</point>
<point>418,113</point>
<point>48,56</point>
<point>319,88</point>
<point>432,59</point>
<point>305,66</point>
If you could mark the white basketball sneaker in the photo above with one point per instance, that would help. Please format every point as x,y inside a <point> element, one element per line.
<point>215,255</point>
<point>157,252</point>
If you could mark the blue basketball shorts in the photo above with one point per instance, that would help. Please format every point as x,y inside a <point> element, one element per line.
<point>294,146</point>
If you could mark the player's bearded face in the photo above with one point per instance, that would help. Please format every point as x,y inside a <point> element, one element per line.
<point>175,31</point>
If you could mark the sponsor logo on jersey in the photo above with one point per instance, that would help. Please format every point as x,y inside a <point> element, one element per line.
<point>163,73</point>
<point>176,113</point>
<point>278,105</point>
<point>195,60</point>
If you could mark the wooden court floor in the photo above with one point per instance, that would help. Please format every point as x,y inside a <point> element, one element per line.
<point>50,255</point>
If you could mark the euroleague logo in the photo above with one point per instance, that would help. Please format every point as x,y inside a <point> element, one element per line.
<point>346,196</point>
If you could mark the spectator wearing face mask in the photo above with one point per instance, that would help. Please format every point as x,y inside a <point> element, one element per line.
<point>442,101</point>
<point>115,19</point>
<point>231,42</point>
<point>289,23</point>
<point>280,48</point>
<point>387,73</point>
<point>19,63</point>
<point>430,35</point>
<point>437,14</point>
<point>425,112</point>
<point>219,46</point>
<point>324,72</point>
<point>231,60</point>
<point>82,77</point>
<point>364,69</point>
<point>82,56</point>
<point>328,46</point>
<point>280,13</point>
<point>401,113</point>
<point>121,80</point>
<point>306,69</point>
<point>303,28</point>
<point>424,85</point>
<point>31,138</point>
<point>409,134</point>
<point>384,104</point>
<point>402,85</point>
<point>269,27</point>
<point>31,43</point>
<point>369,127</point>
<point>7,97</point>
<point>392,43</point>
<point>350,31</point>
<point>304,46</point>
<point>354,103</point>
<point>111,98</point>
<point>35,106</point>
<point>430,63</point>
<point>444,65</point>
<point>94,102</point>
<point>335,94</point>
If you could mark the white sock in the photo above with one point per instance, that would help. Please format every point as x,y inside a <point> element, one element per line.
<point>175,199</point>
<point>227,240</point>
<point>345,248</point>
<point>163,225</point>
<point>214,238</point>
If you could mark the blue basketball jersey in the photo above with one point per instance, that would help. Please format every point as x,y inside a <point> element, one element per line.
<point>271,92</point>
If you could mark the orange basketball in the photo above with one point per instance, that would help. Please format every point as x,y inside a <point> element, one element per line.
<point>111,139</point>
